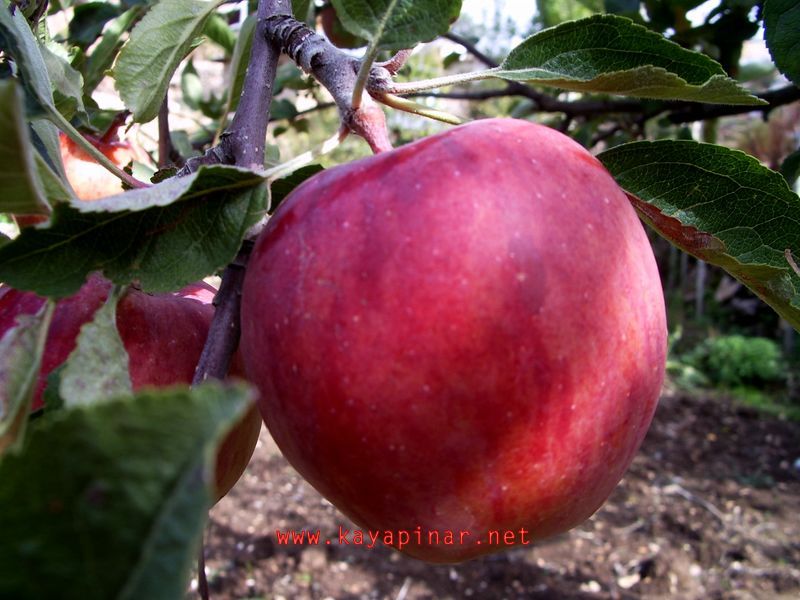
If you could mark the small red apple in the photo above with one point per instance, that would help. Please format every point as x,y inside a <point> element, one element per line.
<point>465,335</point>
<point>163,334</point>
<point>88,178</point>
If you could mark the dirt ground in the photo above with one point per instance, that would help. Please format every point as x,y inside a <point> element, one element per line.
<point>709,509</point>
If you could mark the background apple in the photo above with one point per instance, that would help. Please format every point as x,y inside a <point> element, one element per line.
<point>467,333</point>
<point>88,178</point>
<point>163,334</point>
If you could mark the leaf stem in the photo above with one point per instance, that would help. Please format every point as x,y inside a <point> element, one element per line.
<point>363,74</point>
<point>416,108</point>
<point>412,87</point>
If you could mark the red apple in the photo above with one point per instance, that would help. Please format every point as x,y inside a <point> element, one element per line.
<point>88,178</point>
<point>463,335</point>
<point>163,334</point>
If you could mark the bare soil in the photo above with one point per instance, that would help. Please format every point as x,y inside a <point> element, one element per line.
<point>709,509</point>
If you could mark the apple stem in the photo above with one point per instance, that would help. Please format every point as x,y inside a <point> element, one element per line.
<point>111,133</point>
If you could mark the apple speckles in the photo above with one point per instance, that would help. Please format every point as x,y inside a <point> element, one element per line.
<point>517,235</point>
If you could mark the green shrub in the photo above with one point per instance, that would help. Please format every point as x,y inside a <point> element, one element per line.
<point>736,360</point>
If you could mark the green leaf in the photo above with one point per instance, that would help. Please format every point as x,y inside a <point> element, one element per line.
<point>282,187</point>
<point>97,369</point>
<point>110,501</point>
<point>17,39</point>
<point>158,43</point>
<point>88,22</point>
<point>191,86</point>
<point>103,55</point>
<point>614,55</point>
<point>21,351</point>
<point>238,67</point>
<point>282,109</point>
<point>165,236</point>
<point>553,12</point>
<point>782,33</point>
<point>218,31</point>
<point>302,10</point>
<point>22,191</point>
<point>397,24</point>
<point>67,82</point>
<point>720,205</point>
<point>45,137</point>
<point>55,190</point>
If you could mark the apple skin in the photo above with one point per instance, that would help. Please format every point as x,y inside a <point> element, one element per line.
<point>163,334</point>
<point>88,178</point>
<point>467,333</point>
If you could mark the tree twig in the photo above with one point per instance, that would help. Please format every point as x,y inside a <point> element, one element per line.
<point>242,145</point>
<point>164,136</point>
<point>472,49</point>
<point>224,332</point>
<point>679,112</point>
<point>202,579</point>
<point>337,72</point>
<point>243,142</point>
<point>700,112</point>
